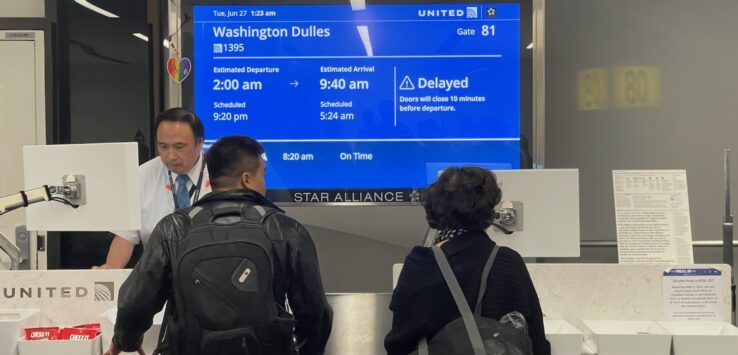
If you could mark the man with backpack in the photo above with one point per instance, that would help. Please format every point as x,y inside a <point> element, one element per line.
<point>228,266</point>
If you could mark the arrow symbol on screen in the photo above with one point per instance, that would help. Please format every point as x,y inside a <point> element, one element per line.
<point>295,83</point>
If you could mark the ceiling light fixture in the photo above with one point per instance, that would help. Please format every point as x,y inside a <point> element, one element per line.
<point>92,7</point>
<point>141,36</point>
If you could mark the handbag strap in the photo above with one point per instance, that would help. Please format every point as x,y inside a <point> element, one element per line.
<point>485,275</point>
<point>423,347</point>
<point>461,303</point>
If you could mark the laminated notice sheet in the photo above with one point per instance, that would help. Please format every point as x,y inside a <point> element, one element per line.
<point>652,217</point>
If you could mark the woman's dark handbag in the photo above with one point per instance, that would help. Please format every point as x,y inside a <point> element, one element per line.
<point>472,333</point>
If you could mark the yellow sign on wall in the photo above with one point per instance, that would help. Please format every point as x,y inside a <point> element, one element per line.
<point>636,86</point>
<point>592,92</point>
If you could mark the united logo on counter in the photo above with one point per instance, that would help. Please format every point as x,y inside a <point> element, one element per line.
<point>104,291</point>
<point>44,292</point>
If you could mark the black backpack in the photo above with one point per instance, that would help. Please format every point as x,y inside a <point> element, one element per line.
<point>472,334</point>
<point>223,287</point>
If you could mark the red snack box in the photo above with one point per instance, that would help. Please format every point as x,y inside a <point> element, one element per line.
<point>49,333</point>
<point>88,326</point>
<point>77,334</point>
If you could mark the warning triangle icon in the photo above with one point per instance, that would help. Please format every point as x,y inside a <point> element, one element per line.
<point>407,84</point>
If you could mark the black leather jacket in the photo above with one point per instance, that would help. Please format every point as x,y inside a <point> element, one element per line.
<point>296,275</point>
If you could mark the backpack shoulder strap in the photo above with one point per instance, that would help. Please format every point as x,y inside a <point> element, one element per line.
<point>485,276</point>
<point>461,303</point>
<point>265,212</point>
<point>164,342</point>
<point>198,215</point>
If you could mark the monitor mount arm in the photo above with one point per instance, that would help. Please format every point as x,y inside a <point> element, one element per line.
<point>71,192</point>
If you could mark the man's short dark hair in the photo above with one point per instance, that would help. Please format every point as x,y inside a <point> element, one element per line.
<point>183,115</point>
<point>462,198</point>
<point>229,157</point>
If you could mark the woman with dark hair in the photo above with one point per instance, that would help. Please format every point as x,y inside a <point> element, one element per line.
<point>460,205</point>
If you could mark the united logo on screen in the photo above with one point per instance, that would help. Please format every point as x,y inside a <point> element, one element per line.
<point>471,12</point>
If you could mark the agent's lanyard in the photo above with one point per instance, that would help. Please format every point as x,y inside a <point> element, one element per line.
<point>194,190</point>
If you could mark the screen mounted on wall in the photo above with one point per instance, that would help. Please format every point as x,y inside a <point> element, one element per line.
<point>374,98</point>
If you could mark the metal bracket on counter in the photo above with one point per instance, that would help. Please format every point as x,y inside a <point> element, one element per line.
<point>510,215</point>
<point>23,242</point>
<point>72,189</point>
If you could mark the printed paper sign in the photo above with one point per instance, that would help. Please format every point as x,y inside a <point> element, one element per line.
<point>652,217</point>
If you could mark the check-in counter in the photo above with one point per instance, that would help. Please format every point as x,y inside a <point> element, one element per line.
<point>568,292</point>
<point>360,322</point>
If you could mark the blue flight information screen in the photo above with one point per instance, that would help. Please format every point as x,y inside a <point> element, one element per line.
<point>386,96</point>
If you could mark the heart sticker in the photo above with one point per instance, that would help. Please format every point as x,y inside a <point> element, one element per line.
<point>179,70</point>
